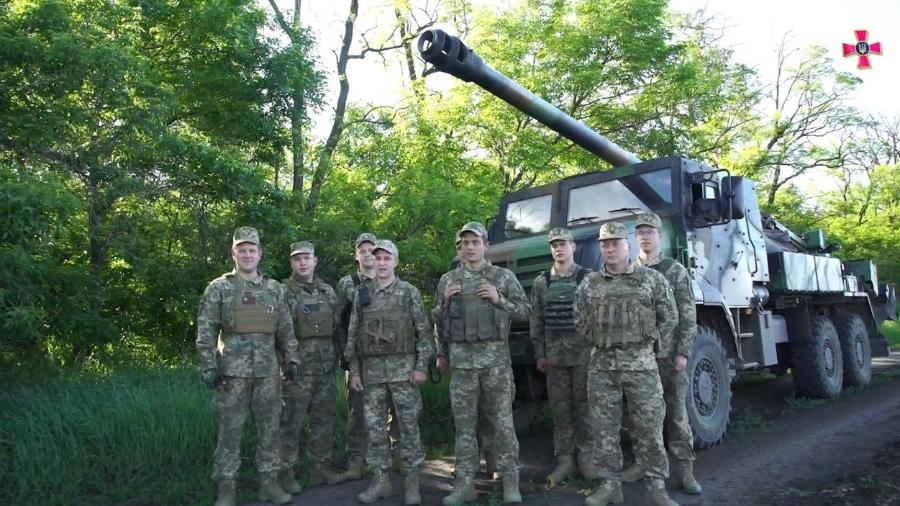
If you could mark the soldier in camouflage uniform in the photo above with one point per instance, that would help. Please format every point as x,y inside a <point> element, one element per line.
<point>389,346</point>
<point>475,303</point>
<point>314,307</point>
<point>243,327</point>
<point>563,356</point>
<point>673,353</point>
<point>346,291</point>
<point>624,310</point>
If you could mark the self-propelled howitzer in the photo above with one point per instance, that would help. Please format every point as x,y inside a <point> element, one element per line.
<point>766,297</point>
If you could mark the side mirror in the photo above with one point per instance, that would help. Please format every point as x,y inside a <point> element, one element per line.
<point>733,193</point>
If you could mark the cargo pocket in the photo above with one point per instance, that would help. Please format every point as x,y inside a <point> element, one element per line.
<point>487,326</point>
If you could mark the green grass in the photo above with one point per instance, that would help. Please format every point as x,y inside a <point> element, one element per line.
<point>747,421</point>
<point>138,437</point>
<point>891,331</point>
<point>125,436</point>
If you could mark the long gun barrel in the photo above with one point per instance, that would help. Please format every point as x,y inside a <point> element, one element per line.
<point>448,54</point>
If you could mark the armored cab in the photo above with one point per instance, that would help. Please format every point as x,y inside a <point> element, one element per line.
<point>767,297</point>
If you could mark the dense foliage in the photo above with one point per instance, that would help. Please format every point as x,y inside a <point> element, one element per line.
<point>135,135</point>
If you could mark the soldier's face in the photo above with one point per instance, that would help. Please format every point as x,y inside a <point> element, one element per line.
<point>385,263</point>
<point>246,257</point>
<point>615,252</point>
<point>471,247</point>
<point>304,265</point>
<point>364,255</point>
<point>562,251</point>
<point>648,239</point>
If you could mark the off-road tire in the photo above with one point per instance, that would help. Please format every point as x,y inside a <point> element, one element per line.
<point>708,395</point>
<point>855,349</point>
<point>817,360</point>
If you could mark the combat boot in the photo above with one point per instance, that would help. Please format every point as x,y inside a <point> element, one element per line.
<point>412,494</point>
<point>270,490</point>
<point>633,473</point>
<point>565,469</point>
<point>354,471</point>
<point>511,493</point>
<point>321,473</point>
<point>225,496</point>
<point>586,466</point>
<point>609,492</point>
<point>684,472</point>
<point>379,488</point>
<point>463,491</point>
<point>288,482</point>
<point>657,495</point>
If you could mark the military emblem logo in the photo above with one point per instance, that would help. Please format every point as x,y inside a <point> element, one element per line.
<point>862,49</point>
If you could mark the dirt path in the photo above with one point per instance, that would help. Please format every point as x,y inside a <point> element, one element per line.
<point>793,449</point>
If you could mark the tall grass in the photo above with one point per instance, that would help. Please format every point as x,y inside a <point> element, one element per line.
<point>136,436</point>
<point>139,437</point>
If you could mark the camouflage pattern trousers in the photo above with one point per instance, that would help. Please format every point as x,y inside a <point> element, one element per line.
<point>312,394</point>
<point>567,392</point>
<point>407,404</point>
<point>677,426</point>
<point>356,426</point>
<point>232,401</point>
<point>492,390</point>
<point>643,393</point>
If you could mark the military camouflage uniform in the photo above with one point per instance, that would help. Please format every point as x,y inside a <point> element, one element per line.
<point>314,308</point>
<point>247,363</point>
<point>677,425</point>
<point>623,316</point>
<point>356,424</point>
<point>567,354</point>
<point>480,362</point>
<point>388,339</point>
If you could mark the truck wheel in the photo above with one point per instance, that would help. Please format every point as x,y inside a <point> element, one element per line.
<point>817,361</point>
<point>855,349</point>
<point>708,396</point>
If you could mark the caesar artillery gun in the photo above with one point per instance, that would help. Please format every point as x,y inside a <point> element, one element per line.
<point>766,298</point>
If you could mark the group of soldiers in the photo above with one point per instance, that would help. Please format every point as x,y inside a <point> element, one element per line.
<point>607,339</point>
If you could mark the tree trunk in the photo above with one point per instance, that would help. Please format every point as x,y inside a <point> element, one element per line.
<point>337,125</point>
<point>297,114</point>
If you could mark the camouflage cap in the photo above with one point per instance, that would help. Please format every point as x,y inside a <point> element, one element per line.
<point>648,219</point>
<point>474,227</point>
<point>388,246</point>
<point>560,234</point>
<point>365,237</point>
<point>612,230</point>
<point>302,247</point>
<point>245,234</point>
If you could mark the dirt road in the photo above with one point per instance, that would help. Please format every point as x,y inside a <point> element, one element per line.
<point>790,447</point>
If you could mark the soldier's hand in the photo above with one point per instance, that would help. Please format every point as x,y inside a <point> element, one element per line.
<point>451,290</point>
<point>442,364</point>
<point>417,378</point>
<point>291,372</point>
<point>680,362</point>
<point>210,377</point>
<point>489,292</point>
<point>542,365</point>
<point>356,383</point>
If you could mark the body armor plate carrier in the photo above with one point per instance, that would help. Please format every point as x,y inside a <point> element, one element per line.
<point>387,331</point>
<point>559,312</point>
<point>473,319</point>
<point>622,311</point>
<point>254,309</point>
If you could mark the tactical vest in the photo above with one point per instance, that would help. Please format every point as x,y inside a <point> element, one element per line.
<point>472,318</point>
<point>622,312</point>
<point>387,330</point>
<point>314,317</point>
<point>559,312</point>
<point>255,309</point>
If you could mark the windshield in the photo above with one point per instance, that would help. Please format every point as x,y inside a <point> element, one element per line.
<point>526,217</point>
<point>618,197</point>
